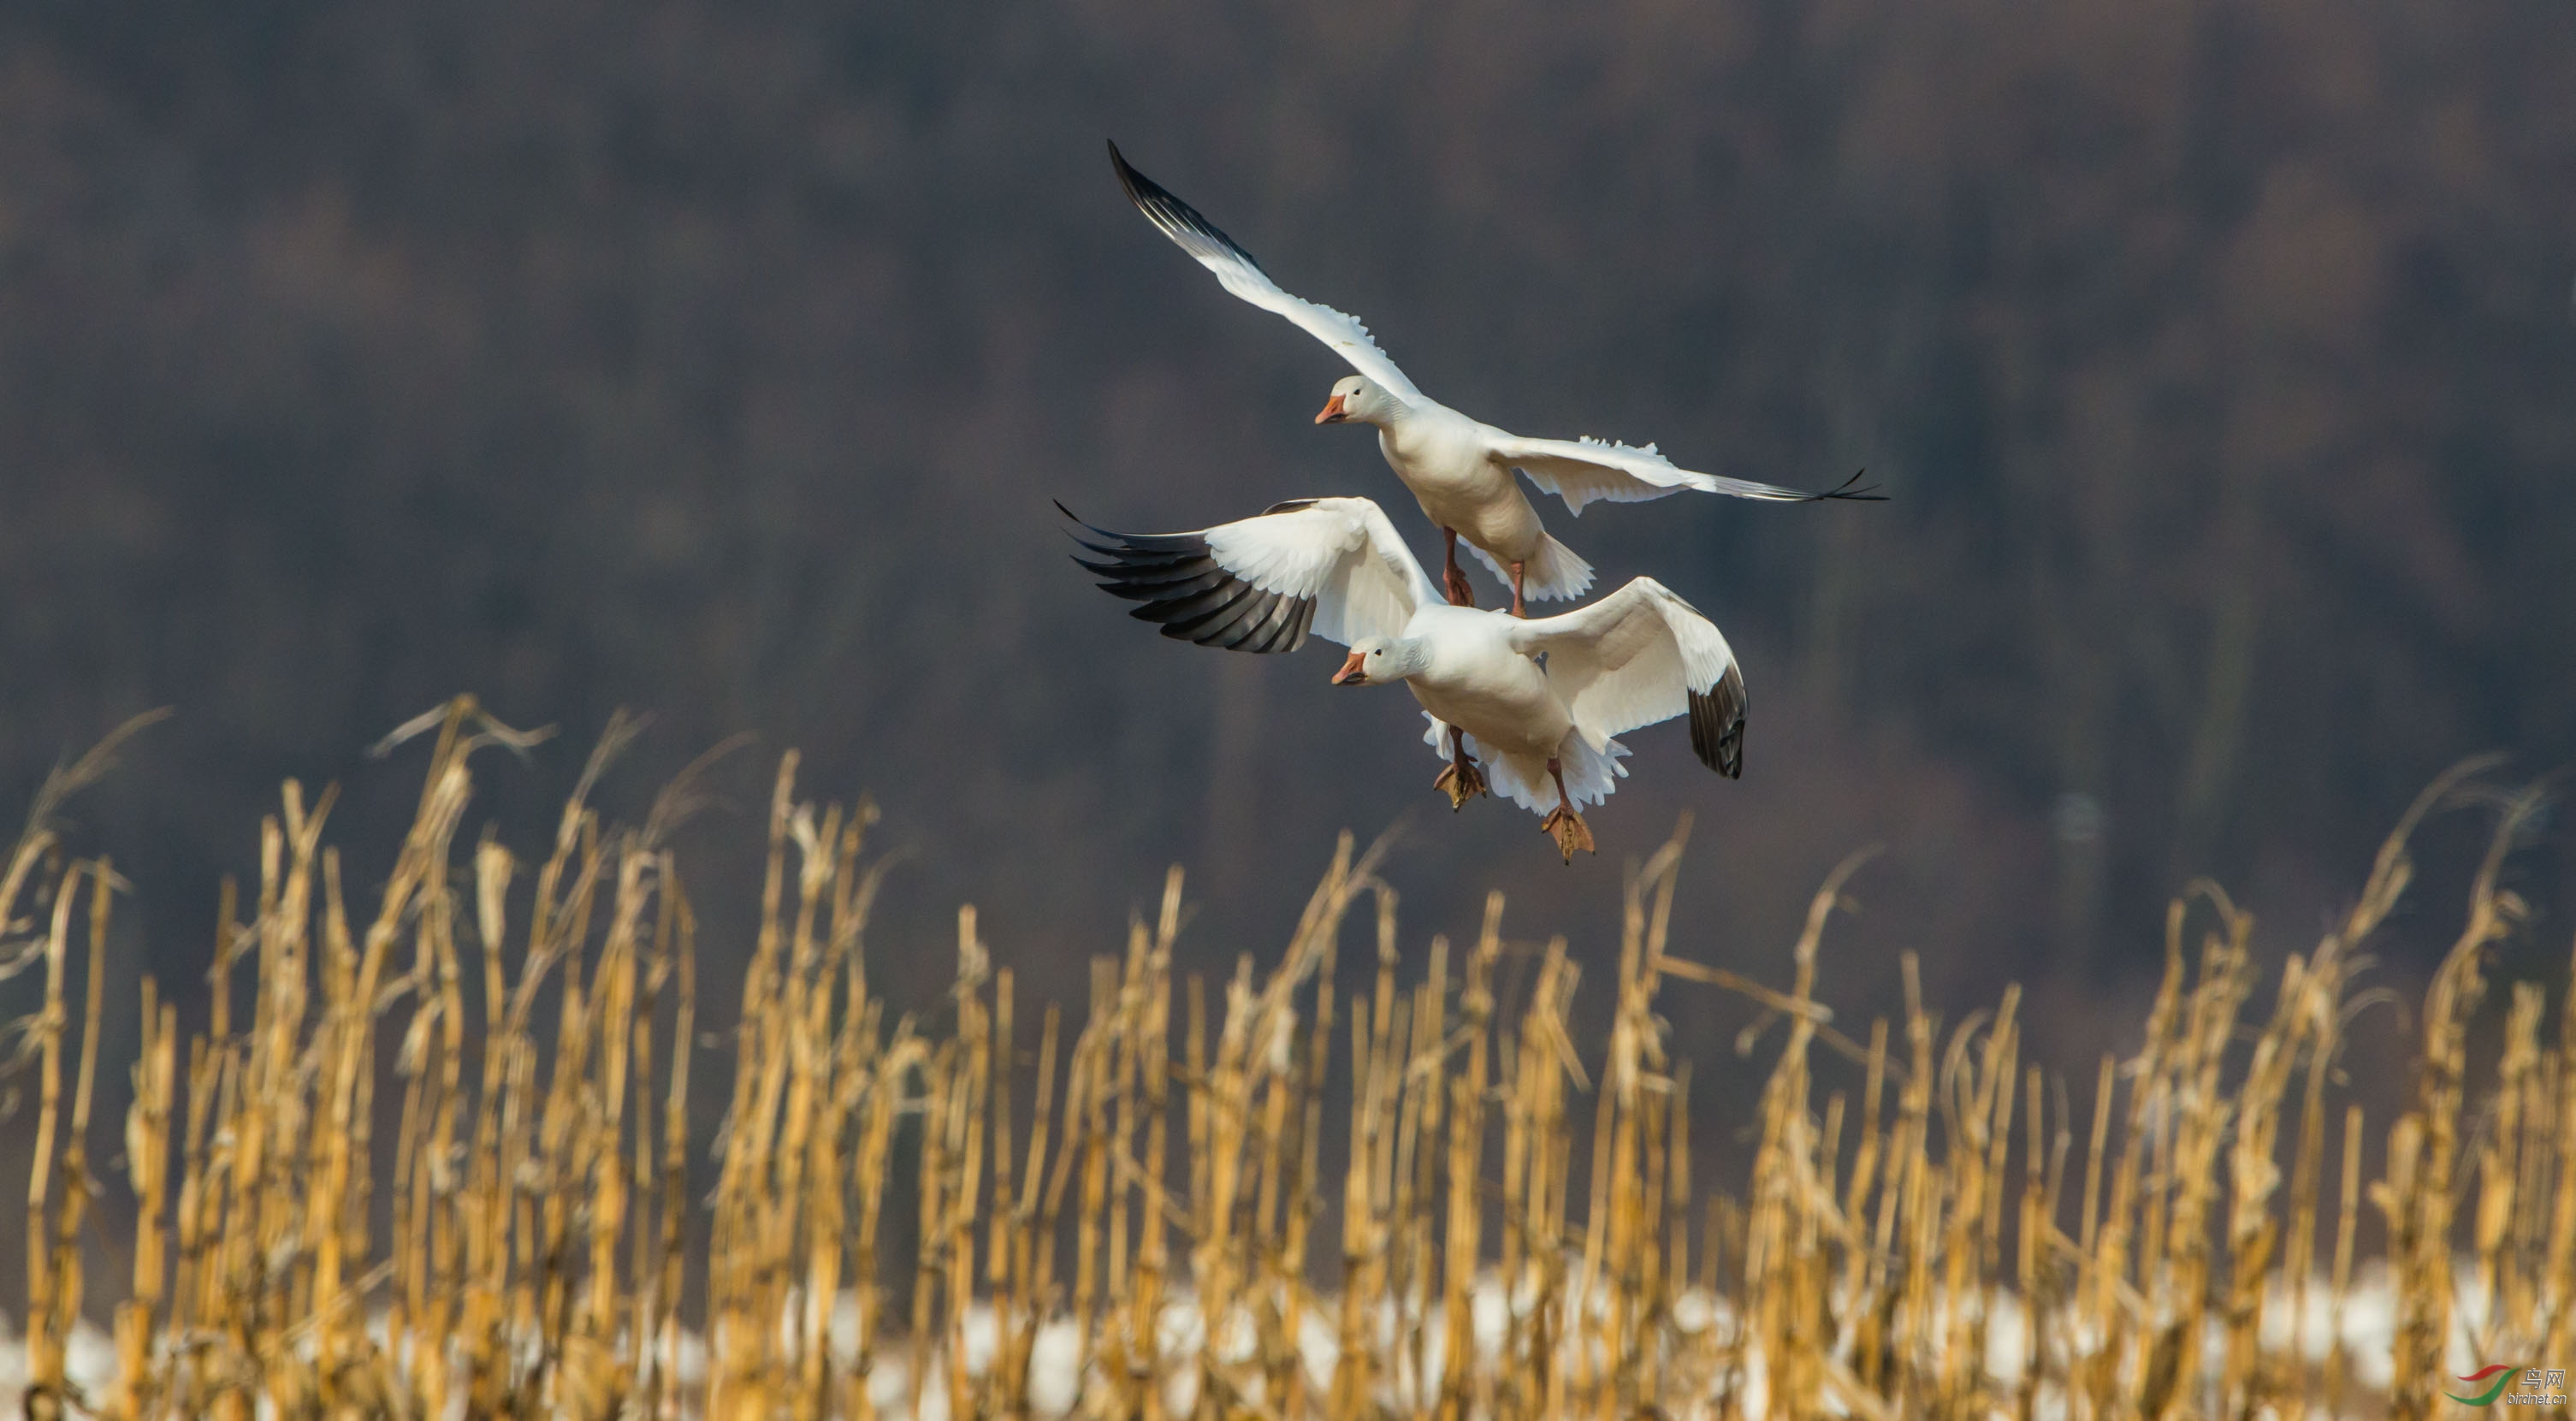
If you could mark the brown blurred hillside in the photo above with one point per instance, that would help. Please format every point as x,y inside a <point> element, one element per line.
<point>720,360</point>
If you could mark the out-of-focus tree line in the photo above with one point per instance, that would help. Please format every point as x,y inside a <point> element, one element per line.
<point>721,359</point>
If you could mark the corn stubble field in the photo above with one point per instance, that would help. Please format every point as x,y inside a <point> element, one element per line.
<point>1124,1209</point>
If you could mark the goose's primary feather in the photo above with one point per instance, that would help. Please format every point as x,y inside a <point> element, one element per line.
<point>1333,566</point>
<point>1244,277</point>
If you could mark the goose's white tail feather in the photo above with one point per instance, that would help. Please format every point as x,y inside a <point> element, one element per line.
<point>1555,575</point>
<point>1590,774</point>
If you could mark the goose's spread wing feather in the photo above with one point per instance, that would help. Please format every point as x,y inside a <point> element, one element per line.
<point>1583,470</point>
<point>1642,655</point>
<point>1244,277</point>
<point>1332,566</point>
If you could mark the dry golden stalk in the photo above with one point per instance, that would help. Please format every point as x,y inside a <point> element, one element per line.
<point>2558,1289</point>
<point>1466,1148</point>
<point>966,1145</point>
<point>2038,1296</point>
<point>1910,1214</point>
<point>2108,1256</point>
<point>2306,1181</point>
<point>1018,1317</point>
<point>2418,1193</point>
<point>1352,1378</point>
<point>1091,1102</point>
<point>2310,992</point>
<point>1864,1266</point>
<point>1784,1273</point>
<point>1146,1305</point>
<point>46,1283</point>
<point>2525,1305</point>
<point>2499,1175</point>
<point>1122,1131</point>
<point>147,1156</point>
<point>2337,1367</point>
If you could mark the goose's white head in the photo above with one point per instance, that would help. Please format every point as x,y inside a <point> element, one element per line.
<point>1381,661</point>
<point>1357,397</point>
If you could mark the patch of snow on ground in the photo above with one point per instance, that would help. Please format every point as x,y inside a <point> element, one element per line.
<point>1411,1352</point>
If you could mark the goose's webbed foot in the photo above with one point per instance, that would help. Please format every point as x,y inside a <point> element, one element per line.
<point>1563,823</point>
<point>1570,832</point>
<point>1462,781</point>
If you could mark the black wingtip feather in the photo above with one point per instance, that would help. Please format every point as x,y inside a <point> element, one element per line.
<point>1182,588</point>
<point>1135,183</point>
<point>1166,211</point>
<point>1206,612</point>
<point>1848,494</point>
<point>1717,724</point>
<point>1285,627</point>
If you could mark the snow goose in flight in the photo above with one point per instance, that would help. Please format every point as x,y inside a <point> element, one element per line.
<point>1459,468</point>
<point>1336,568</point>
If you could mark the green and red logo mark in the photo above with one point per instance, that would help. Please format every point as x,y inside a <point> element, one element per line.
<point>2503,1376</point>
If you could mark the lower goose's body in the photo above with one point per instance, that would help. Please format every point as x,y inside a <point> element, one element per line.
<point>1501,723</point>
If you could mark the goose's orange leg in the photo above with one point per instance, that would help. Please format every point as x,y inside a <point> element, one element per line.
<point>1453,581</point>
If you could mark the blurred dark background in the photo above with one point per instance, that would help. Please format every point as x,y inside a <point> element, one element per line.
<point>721,360</point>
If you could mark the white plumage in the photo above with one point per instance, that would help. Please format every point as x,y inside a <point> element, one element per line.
<point>1459,469</point>
<point>1543,730</point>
<point>1589,773</point>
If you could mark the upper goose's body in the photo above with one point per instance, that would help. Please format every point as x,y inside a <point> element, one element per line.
<point>1337,568</point>
<point>1459,469</point>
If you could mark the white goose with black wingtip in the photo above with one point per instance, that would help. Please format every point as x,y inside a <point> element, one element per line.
<point>1458,468</point>
<point>1539,732</point>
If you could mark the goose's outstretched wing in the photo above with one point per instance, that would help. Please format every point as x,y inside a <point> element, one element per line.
<point>1244,277</point>
<point>1582,470</point>
<point>1638,656</point>
<point>1332,566</point>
